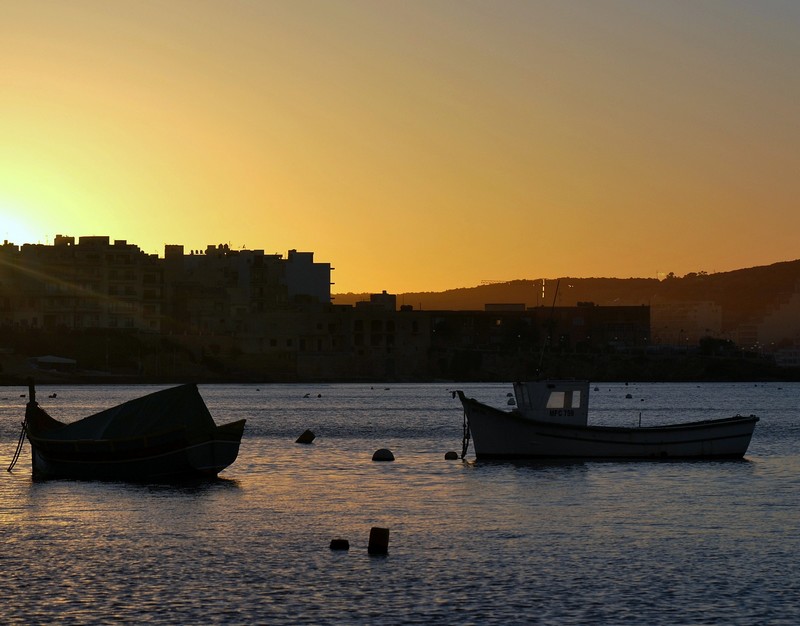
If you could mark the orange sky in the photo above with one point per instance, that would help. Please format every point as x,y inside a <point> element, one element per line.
<point>414,145</point>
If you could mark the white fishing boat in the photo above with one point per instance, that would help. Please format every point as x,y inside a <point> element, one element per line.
<point>551,420</point>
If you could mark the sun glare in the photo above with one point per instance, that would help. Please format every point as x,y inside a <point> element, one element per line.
<point>14,228</point>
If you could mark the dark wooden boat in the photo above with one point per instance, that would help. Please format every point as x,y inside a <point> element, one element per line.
<point>164,436</point>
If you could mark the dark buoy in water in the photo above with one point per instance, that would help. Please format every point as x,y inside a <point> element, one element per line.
<point>378,541</point>
<point>340,544</point>
<point>383,454</point>
<point>306,437</point>
<point>452,455</point>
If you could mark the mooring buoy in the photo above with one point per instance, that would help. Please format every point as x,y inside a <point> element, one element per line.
<point>378,540</point>
<point>306,437</point>
<point>340,544</point>
<point>383,454</point>
<point>451,455</point>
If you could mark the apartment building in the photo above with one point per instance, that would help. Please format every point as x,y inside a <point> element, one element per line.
<point>99,284</point>
<point>93,283</point>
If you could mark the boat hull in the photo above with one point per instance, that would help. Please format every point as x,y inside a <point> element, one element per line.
<point>170,457</point>
<point>500,434</point>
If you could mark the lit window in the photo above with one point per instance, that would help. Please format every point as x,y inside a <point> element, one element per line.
<point>556,400</point>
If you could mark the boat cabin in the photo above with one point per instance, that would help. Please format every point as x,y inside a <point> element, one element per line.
<point>559,401</point>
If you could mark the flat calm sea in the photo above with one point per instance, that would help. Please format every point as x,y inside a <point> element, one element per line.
<point>470,542</point>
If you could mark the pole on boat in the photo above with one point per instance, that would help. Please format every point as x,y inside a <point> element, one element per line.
<point>31,391</point>
<point>550,328</point>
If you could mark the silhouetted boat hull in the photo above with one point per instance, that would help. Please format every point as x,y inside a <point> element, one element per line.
<point>165,436</point>
<point>518,434</point>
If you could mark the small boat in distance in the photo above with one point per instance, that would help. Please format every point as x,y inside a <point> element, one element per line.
<point>164,436</point>
<point>551,421</point>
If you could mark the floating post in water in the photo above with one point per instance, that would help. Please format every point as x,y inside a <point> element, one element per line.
<point>383,455</point>
<point>306,437</point>
<point>378,541</point>
<point>340,544</point>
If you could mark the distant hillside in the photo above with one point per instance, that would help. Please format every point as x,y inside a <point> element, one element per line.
<point>605,291</point>
<point>743,294</point>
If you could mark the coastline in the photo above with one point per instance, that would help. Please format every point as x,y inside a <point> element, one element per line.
<point>595,367</point>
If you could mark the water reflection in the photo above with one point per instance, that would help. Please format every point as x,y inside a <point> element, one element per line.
<point>193,487</point>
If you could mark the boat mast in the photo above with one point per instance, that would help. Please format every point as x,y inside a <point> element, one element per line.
<point>549,329</point>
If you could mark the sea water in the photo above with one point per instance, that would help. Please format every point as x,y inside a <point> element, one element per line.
<point>703,542</point>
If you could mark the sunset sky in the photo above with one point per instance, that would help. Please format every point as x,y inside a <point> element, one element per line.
<point>414,145</point>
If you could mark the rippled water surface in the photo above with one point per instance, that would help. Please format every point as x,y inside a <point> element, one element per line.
<point>481,543</point>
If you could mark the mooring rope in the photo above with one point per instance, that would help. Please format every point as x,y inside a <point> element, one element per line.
<point>466,436</point>
<point>18,451</point>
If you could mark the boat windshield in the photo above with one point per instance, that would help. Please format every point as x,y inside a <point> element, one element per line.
<point>564,399</point>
